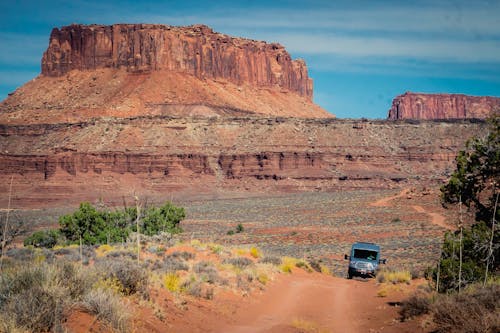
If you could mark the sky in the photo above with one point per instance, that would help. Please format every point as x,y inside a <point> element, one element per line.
<point>360,54</point>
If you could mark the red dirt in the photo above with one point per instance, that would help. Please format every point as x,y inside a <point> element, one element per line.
<point>436,218</point>
<point>320,303</point>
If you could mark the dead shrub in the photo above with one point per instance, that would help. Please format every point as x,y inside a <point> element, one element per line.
<point>315,265</point>
<point>172,264</point>
<point>473,311</point>
<point>32,298</point>
<point>416,305</point>
<point>184,255</point>
<point>131,276</point>
<point>240,262</point>
<point>107,307</point>
<point>207,272</point>
<point>34,309</point>
<point>271,260</point>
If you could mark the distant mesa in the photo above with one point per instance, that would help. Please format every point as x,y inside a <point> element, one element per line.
<point>442,106</point>
<point>125,70</point>
<point>196,50</point>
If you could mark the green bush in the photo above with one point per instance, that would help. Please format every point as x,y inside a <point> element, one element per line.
<point>44,238</point>
<point>474,184</point>
<point>93,226</point>
<point>475,241</point>
<point>162,219</point>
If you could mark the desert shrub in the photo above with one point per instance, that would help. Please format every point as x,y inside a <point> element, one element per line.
<point>102,250</point>
<point>107,307</point>
<point>75,280</point>
<point>415,305</point>
<point>34,309</point>
<point>255,252</point>
<point>192,288</point>
<point>271,260</point>
<point>240,262</point>
<point>130,275</point>
<point>302,264</point>
<point>475,184</point>
<point>287,263</point>
<point>383,291</point>
<point>21,254</point>
<point>156,220</point>
<point>33,298</point>
<point>122,254</point>
<point>207,272</point>
<point>402,276</point>
<point>94,226</point>
<point>325,270</point>
<point>172,282</point>
<point>215,248</point>
<point>263,278</point>
<point>172,264</point>
<point>474,311</point>
<point>43,238</point>
<point>182,255</point>
<point>475,241</point>
<point>315,265</point>
<point>239,228</point>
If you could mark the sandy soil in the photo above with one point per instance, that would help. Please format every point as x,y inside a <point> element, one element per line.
<point>304,302</point>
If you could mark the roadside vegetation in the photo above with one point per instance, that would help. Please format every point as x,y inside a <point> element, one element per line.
<point>466,280</point>
<point>89,225</point>
<point>88,266</point>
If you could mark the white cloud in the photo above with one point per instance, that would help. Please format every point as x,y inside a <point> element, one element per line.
<point>429,49</point>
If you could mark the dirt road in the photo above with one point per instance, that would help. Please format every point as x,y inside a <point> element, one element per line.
<point>304,302</point>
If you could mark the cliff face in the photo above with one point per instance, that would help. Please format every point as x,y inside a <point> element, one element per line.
<point>442,106</point>
<point>196,50</point>
<point>62,164</point>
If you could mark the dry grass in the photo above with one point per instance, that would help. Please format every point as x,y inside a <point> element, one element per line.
<point>471,311</point>
<point>102,250</point>
<point>108,308</point>
<point>394,276</point>
<point>255,252</point>
<point>287,263</point>
<point>307,326</point>
<point>172,282</point>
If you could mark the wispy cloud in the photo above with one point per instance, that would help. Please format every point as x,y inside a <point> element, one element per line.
<point>452,50</point>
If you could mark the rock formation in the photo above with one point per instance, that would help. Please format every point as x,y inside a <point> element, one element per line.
<point>127,70</point>
<point>63,164</point>
<point>161,110</point>
<point>196,50</point>
<point>442,106</point>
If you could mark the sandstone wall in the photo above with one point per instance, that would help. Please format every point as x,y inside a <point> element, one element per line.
<point>158,157</point>
<point>442,106</point>
<point>196,50</point>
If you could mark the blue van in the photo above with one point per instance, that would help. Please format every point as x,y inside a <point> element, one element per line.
<point>364,260</point>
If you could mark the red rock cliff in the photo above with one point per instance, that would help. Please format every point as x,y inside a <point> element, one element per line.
<point>196,50</point>
<point>442,106</point>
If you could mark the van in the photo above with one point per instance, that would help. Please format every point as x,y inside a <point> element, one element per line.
<point>364,260</point>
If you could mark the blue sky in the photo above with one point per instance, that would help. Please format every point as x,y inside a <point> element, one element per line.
<point>360,54</point>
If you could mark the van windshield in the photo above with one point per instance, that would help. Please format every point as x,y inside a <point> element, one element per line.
<point>365,254</point>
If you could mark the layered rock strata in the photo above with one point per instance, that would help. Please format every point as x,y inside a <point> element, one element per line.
<point>159,157</point>
<point>442,106</point>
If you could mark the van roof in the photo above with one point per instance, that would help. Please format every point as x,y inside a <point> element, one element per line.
<point>366,246</point>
